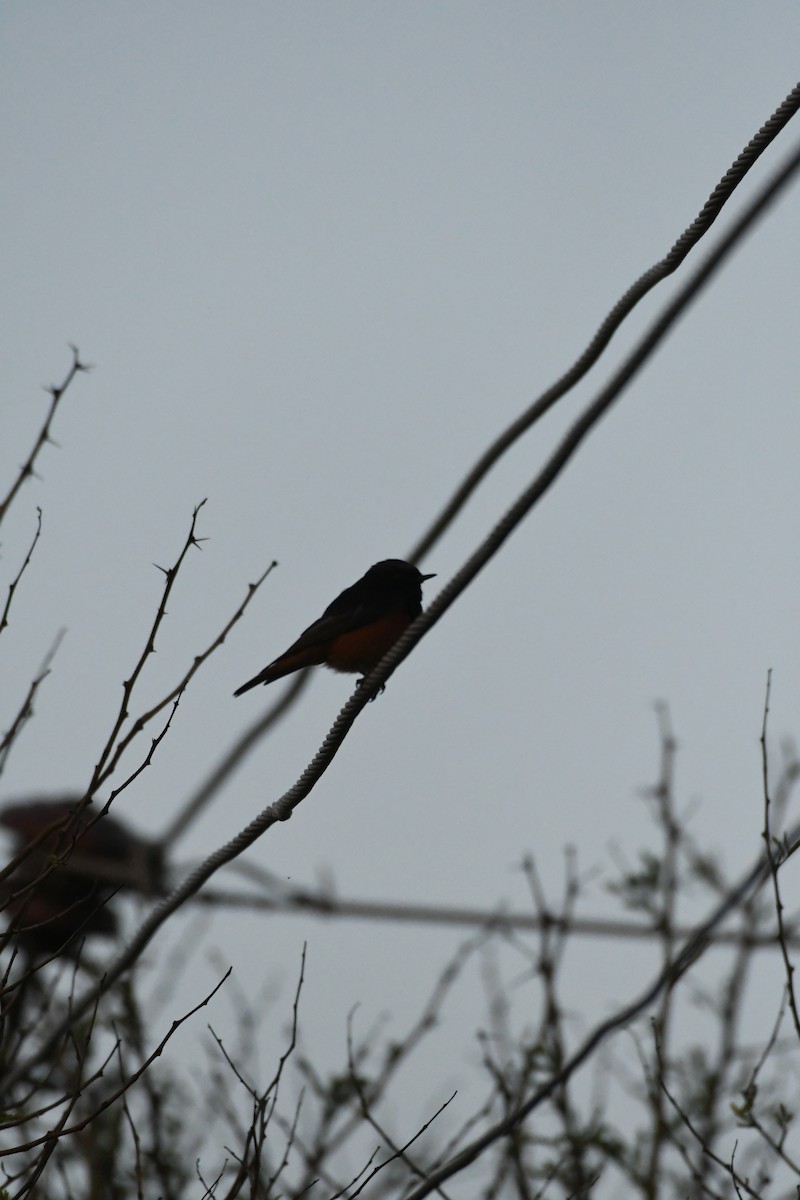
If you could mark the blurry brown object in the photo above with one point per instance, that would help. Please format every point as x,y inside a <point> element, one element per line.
<point>66,869</point>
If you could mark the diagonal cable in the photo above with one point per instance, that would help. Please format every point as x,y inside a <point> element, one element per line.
<point>636,292</point>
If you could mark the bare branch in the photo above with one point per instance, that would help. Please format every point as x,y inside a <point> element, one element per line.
<point>27,468</point>
<point>66,1131</point>
<point>667,977</point>
<point>199,659</point>
<point>112,751</point>
<point>15,581</point>
<point>25,711</point>
<point>769,846</point>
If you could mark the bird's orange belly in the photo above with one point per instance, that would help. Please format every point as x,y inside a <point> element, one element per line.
<point>361,649</point>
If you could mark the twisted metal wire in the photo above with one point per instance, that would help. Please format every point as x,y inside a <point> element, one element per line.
<point>636,292</point>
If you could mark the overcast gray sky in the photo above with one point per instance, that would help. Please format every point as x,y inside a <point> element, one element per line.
<point>319,255</point>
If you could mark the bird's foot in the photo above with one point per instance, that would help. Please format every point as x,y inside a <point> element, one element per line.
<point>381,688</point>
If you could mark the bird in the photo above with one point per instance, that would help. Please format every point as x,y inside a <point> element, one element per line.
<point>357,628</point>
<point>70,868</point>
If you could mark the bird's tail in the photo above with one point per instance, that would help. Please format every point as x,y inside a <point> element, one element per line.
<point>264,676</point>
<point>276,670</point>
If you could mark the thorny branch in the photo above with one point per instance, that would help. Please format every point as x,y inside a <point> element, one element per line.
<point>15,581</point>
<point>112,751</point>
<point>770,847</point>
<point>25,711</point>
<point>56,393</point>
<point>111,1099</point>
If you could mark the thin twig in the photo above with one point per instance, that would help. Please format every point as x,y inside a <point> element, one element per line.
<point>112,751</point>
<point>25,711</point>
<point>12,587</point>
<point>110,1100</point>
<point>769,847</point>
<point>686,956</point>
<point>197,662</point>
<point>56,393</point>
<point>706,1148</point>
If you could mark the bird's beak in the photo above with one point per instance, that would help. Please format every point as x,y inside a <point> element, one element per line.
<point>424,577</point>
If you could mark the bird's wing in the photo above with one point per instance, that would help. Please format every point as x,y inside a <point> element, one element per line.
<point>345,614</point>
<point>348,612</point>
